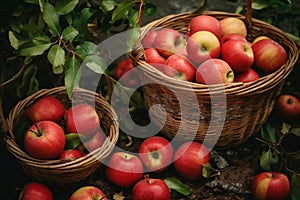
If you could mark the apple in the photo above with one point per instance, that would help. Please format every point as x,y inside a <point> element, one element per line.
<point>247,76</point>
<point>202,45</point>
<point>94,142</point>
<point>124,169</point>
<point>169,41</point>
<point>150,188</point>
<point>232,36</point>
<point>82,118</point>
<point>233,25</point>
<point>70,154</point>
<point>214,71</point>
<point>36,191</point>
<point>153,58</point>
<point>268,55</point>
<point>189,159</point>
<point>88,192</point>
<point>46,108</point>
<point>271,185</point>
<point>238,54</point>
<point>149,38</point>
<point>44,140</point>
<point>156,153</point>
<point>258,38</point>
<point>287,107</point>
<point>179,67</point>
<point>204,23</point>
<point>126,73</point>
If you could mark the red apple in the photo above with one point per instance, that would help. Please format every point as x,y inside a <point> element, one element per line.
<point>70,154</point>
<point>36,191</point>
<point>247,76</point>
<point>233,25</point>
<point>204,23</point>
<point>149,38</point>
<point>44,140</point>
<point>153,58</point>
<point>156,153</point>
<point>287,107</point>
<point>82,118</point>
<point>258,38</point>
<point>268,55</point>
<point>126,73</point>
<point>88,192</point>
<point>94,142</point>
<point>232,36</point>
<point>179,67</point>
<point>124,169</point>
<point>214,71</point>
<point>238,54</point>
<point>46,108</point>
<point>271,185</point>
<point>169,41</point>
<point>150,188</point>
<point>202,45</point>
<point>189,159</point>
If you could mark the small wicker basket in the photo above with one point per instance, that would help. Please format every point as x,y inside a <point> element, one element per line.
<point>247,106</point>
<point>60,172</point>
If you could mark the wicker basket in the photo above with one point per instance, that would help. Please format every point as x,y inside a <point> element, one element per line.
<point>247,105</point>
<point>60,172</point>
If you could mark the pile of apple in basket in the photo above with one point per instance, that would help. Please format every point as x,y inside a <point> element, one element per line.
<point>212,51</point>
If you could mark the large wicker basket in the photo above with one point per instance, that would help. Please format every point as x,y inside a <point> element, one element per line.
<point>247,106</point>
<point>62,172</point>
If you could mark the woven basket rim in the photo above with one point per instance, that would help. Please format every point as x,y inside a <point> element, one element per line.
<point>237,88</point>
<point>92,157</point>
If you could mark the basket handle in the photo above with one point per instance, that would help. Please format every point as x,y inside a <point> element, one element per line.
<point>248,17</point>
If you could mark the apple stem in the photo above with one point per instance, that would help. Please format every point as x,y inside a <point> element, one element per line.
<point>38,132</point>
<point>146,177</point>
<point>289,101</point>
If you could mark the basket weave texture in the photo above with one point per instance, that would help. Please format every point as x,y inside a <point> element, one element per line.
<point>60,172</point>
<point>248,105</point>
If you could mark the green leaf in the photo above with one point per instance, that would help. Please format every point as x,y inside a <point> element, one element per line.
<point>149,9</point>
<point>122,10</point>
<point>50,17</point>
<point>108,5</point>
<point>81,21</point>
<point>72,140</point>
<point>295,185</point>
<point>296,131</point>
<point>267,159</point>
<point>14,41</point>
<point>35,2</point>
<point>72,74</point>
<point>208,171</point>
<point>285,129</point>
<point>69,33</point>
<point>134,36</point>
<point>64,7</point>
<point>177,185</point>
<point>37,46</point>
<point>259,5</point>
<point>56,57</point>
<point>269,133</point>
<point>29,83</point>
<point>95,63</point>
<point>133,18</point>
<point>86,48</point>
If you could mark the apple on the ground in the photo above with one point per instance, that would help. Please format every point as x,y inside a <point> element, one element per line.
<point>189,159</point>
<point>82,118</point>
<point>247,76</point>
<point>46,108</point>
<point>204,23</point>
<point>151,188</point>
<point>36,191</point>
<point>201,46</point>
<point>287,107</point>
<point>70,154</point>
<point>179,67</point>
<point>44,140</point>
<point>156,153</point>
<point>88,192</point>
<point>169,41</point>
<point>124,169</point>
<point>271,185</point>
<point>153,58</point>
<point>238,54</point>
<point>233,25</point>
<point>269,55</point>
<point>214,71</point>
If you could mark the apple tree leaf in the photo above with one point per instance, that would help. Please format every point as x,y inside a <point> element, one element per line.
<point>72,74</point>
<point>81,20</point>
<point>64,7</point>
<point>56,57</point>
<point>50,17</point>
<point>36,46</point>
<point>269,133</point>
<point>295,185</point>
<point>72,140</point>
<point>29,82</point>
<point>95,63</point>
<point>178,186</point>
<point>122,10</point>
<point>296,131</point>
<point>108,5</point>
<point>85,48</point>
<point>285,129</point>
<point>267,159</point>
<point>208,171</point>
<point>69,33</point>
